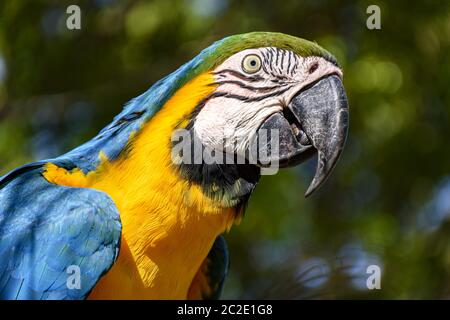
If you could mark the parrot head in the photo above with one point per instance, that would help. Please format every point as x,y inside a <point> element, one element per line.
<point>267,83</point>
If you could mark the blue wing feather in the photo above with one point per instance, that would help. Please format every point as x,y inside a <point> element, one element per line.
<point>45,228</point>
<point>219,264</point>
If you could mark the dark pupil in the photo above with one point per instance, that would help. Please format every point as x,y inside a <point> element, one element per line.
<point>253,63</point>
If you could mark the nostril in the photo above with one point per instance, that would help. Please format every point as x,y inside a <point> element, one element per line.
<point>313,67</point>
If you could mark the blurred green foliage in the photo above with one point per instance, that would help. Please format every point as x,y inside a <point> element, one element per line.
<point>388,201</point>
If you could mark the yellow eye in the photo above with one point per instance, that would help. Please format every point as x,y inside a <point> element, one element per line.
<point>251,63</point>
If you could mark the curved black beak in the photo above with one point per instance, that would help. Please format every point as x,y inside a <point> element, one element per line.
<point>316,120</point>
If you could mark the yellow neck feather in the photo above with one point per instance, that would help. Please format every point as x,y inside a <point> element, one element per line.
<point>169,225</point>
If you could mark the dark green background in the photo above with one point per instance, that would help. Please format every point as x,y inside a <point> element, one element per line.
<point>388,201</point>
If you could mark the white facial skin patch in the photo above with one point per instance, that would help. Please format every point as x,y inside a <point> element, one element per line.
<point>252,85</point>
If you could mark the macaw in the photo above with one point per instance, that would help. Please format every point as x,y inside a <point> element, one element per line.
<point>119,218</point>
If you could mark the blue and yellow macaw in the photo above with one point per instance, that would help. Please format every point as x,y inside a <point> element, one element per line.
<point>137,223</point>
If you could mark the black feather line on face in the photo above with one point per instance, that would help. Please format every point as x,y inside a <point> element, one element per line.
<point>266,57</point>
<point>254,99</point>
<point>293,65</point>
<point>239,75</point>
<point>289,62</point>
<point>278,53</point>
<point>296,65</point>
<point>270,53</point>
<point>264,67</point>
<point>245,86</point>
